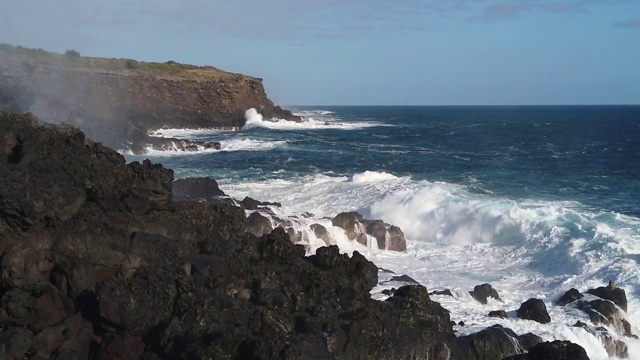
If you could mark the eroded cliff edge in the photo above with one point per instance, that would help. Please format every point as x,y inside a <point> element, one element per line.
<point>117,100</point>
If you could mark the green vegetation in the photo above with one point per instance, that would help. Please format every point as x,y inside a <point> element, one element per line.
<point>72,60</point>
<point>72,54</point>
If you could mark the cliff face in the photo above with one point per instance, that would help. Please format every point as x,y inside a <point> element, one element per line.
<point>110,98</point>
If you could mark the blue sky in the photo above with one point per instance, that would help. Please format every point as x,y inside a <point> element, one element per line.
<point>365,52</point>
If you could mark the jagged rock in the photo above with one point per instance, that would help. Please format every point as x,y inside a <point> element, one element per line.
<point>258,224</point>
<point>321,233</point>
<point>203,188</point>
<point>140,146</point>
<point>499,314</point>
<point>496,342</point>
<point>613,346</point>
<point>251,204</point>
<point>397,241</point>
<point>351,222</point>
<point>404,278</point>
<point>15,342</point>
<point>569,297</point>
<point>484,291</point>
<point>617,295</point>
<point>126,272</point>
<point>442,292</point>
<point>534,309</point>
<point>138,304</point>
<point>557,350</point>
<point>387,236</point>
<point>607,313</point>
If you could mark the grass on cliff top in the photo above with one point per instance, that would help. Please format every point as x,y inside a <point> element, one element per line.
<point>72,60</point>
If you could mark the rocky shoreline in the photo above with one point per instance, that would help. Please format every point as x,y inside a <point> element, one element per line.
<point>102,260</point>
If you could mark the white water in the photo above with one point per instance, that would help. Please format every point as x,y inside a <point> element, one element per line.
<point>458,239</point>
<point>226,145</point>
<point>311,121</point>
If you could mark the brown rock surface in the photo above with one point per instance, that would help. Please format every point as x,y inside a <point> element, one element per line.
<point>107,98</point>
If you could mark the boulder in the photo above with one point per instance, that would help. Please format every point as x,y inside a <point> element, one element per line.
<point>203,188</point>
<point>496,342</point>
<point>351,222</point>
<point>499,314</point>
<point>557,350</point>
<point>258,224</point>
<point>607,313</point>
<point>483,292</point>
<point>569,297</point>
<point>534,309</point>
<point>321,233</point>
<point>613,293</point>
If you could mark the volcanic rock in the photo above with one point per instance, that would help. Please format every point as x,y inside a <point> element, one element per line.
<point>387,236</point>
<point>484,291</point>
<point>615,294</point>
<point>99,261</point>
<point>569,297</point>
<point>534,309</point>
<point>203,188</point>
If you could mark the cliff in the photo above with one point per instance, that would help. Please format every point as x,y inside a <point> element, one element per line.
<point>113,100</point>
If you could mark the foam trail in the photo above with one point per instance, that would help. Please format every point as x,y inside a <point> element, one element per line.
<point>255,120</point>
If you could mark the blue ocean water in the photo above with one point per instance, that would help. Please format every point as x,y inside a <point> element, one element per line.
<point>588,154</point>
<point>532,199</point>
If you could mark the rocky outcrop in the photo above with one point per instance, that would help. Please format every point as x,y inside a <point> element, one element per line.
<point>609,310</point>
<point>482,292</point>
<point>171,144</point>
<point>113,100</point>
<point>98,260</point>
<point>387,236</point>
<point>534,309</point>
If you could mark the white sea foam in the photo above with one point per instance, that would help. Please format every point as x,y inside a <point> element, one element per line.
<point>458,239</point>
<point>372,176</point>
<point>227,145</point>
<point>190,134</point>
<point>255,120</point>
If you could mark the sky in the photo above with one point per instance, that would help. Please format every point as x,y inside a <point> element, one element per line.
<point>364,52</point>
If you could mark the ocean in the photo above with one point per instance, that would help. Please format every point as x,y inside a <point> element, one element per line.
<point>534,200</point>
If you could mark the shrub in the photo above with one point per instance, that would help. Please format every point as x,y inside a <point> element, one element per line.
<point>72,54</point>
<point>131,64</point>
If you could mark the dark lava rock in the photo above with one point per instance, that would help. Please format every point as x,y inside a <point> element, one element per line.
<point>387,236</point>
<point>534,309</point>
<point>617,295</point>
<point>496,342</point>
<point>251,204</point>
<point>404,278</point>
<point>321,233</point>
<point>569,297</point>
<point>499,314</point>
<point>97,261</point>
<point>203,188</point>
<point>258,224</point>
<point>557,350</point>
<point>442,292</point>
<point>607,313</point>
<point>484,291</point>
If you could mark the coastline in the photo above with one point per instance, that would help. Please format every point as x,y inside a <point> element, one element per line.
<point>117,261</point>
